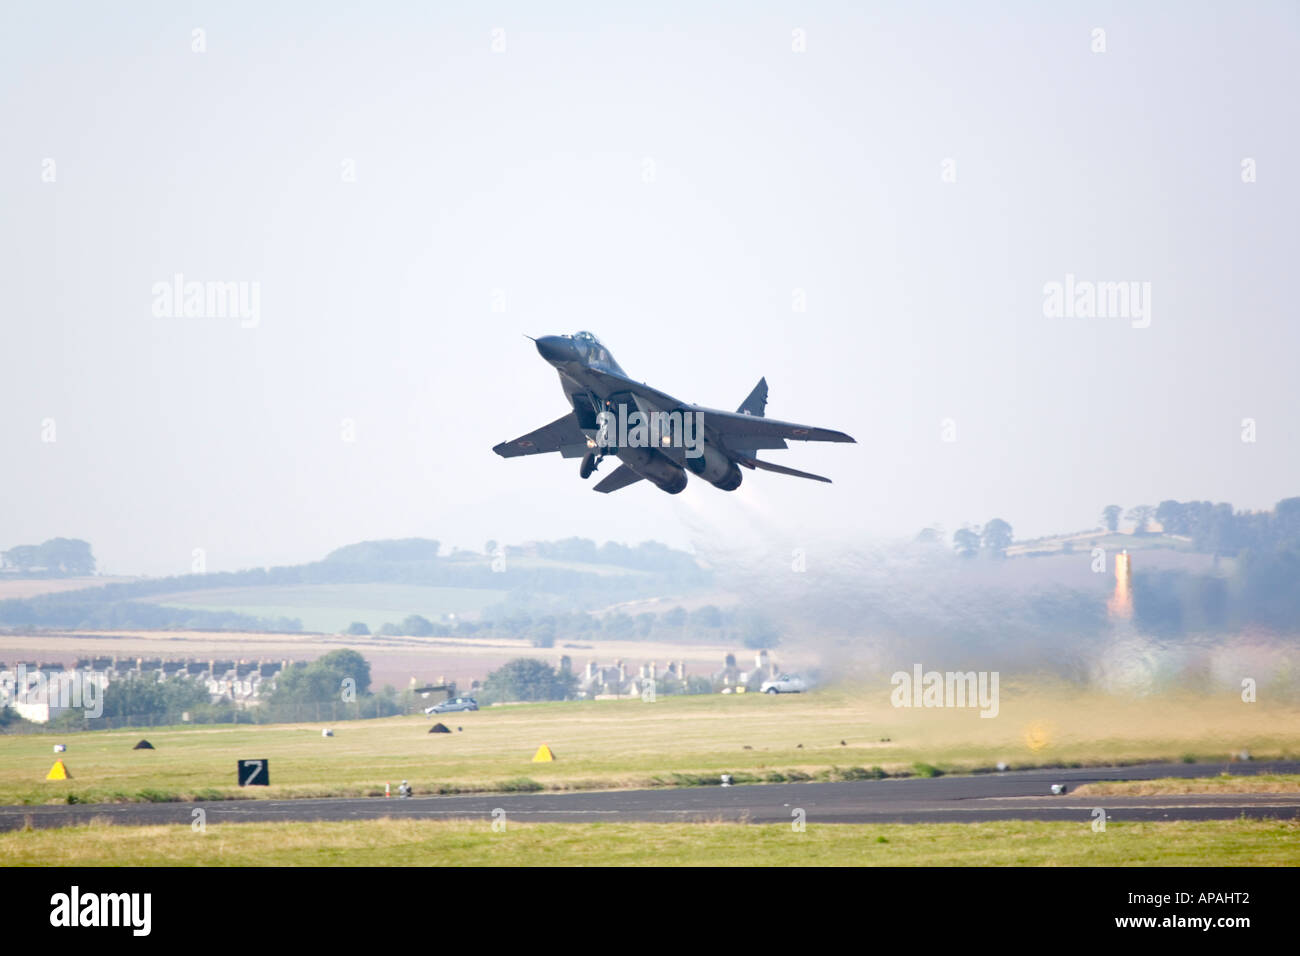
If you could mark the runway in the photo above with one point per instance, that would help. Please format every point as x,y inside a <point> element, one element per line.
<point>1014,795</point>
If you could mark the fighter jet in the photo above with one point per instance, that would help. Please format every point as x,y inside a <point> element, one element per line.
<point>654,435</point>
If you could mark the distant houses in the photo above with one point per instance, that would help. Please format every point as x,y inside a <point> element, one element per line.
<point>39,690</point>
<point>615,680</point>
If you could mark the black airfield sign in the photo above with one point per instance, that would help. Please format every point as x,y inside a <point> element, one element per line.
<point>254,773</point>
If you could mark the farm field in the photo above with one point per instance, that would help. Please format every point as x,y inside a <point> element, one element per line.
<point>17,587</point>
<point>329,608</point>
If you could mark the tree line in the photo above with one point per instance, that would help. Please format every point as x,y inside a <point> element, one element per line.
<point>707,624</point>
<point>1216,528</point>
<point>1261,590</point>
<point>335,686</point>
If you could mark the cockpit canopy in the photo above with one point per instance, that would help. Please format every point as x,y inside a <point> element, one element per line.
<point>592,352</point>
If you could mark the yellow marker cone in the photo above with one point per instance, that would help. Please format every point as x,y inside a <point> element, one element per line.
<point>542,756</point>
<point>58,772</point>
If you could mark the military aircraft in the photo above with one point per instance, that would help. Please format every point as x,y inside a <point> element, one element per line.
<point>655,436</point>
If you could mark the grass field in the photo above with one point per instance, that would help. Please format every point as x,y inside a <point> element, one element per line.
<point>1258,783</point>
<point>831,734</point>
<point>470,843</point>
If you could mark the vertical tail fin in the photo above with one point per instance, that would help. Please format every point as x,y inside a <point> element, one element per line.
<point>756,404</point>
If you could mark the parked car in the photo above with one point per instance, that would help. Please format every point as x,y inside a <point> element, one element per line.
<point>785,684</point>
<point>453,705</point>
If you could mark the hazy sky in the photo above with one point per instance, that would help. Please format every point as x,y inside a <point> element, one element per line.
<point>409,200</point>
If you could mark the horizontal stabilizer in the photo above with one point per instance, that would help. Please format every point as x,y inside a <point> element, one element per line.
<point>620,477</point>
<point>779,469</point>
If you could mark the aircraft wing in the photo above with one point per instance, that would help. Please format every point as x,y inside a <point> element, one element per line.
<point>738,429</point>
<point>562,435</point>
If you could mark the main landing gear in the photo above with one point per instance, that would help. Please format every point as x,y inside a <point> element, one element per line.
<point>590,462</point>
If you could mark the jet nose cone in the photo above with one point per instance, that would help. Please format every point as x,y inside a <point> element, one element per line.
<point>555,348</point>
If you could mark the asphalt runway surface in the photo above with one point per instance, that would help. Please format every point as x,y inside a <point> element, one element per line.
<point>1014,795</point>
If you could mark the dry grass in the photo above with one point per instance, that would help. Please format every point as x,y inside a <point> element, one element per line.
<point>32,587</point>
<point>1258,783</point>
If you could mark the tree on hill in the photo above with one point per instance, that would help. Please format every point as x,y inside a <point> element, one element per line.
<point>1140,515</point>
<point>398,550</point>
<point>66,556</point>
<point>757,631</point>
<point>417,626</point>
<point>707,616</point>
<point>966,541</point>
<point>542,632</point>
<point>1172,516</point>
<point>357,629</point>
<point>619,626</point>
<point>70,556</point>
<point>1110,517</point>
<point>1286,522</point>
<point>22,557</point>
<point>997,537</point>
